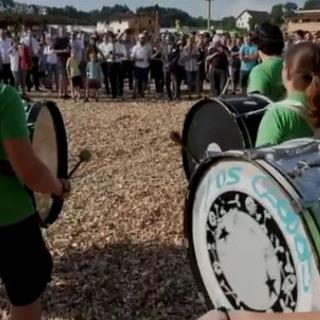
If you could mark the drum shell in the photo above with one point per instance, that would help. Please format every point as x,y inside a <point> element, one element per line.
<point>232,122</point>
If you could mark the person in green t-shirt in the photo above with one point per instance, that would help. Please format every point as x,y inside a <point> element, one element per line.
<point>266,78</point>
<point>25,262</point>
<point>298,115</point>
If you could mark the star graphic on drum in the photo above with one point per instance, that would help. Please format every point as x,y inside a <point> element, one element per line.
<point>224,234</point>
<point>271,285</point>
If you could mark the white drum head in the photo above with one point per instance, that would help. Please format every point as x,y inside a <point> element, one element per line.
<point>249,245</point>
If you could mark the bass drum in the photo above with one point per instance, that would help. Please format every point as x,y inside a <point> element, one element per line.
<point>253,228</point>
<point>49,141</point>
<point>229,122</point>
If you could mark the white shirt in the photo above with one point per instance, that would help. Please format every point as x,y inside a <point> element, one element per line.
<point>5,45</point>
<point>142,53</point>
<point>114,52</point>
<point>14,60</point>
<point>32,43</point>
<point>50,54</point>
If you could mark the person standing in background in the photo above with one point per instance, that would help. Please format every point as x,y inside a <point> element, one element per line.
<point>190,55</point>
<point>141,55</point>
<point>157,67</point>
<point>33,74</point>
<point>74,75</point>
<point>169,60</point>
<point>5,45</point>
<point>14,64</point>
<point>103,47</point>
<point>94,77</point>
<point>51,65</point>
<point>128,43</point>
<point>248,57</point>
<point>201,60</point>
<point>235,64</point>
<point>62,48</point>
<point>114,53</point>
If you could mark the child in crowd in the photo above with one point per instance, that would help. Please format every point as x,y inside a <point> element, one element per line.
<point>94,77</point>
<point>74,75</point>
<point>14,63</point>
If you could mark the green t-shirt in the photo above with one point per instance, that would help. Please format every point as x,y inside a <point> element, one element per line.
<point>15,202</point>
<point>266,78</point>
<point>282,122</point>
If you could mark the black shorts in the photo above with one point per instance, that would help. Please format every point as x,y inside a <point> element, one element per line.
<point>77,82</point>
<point>25,262</point>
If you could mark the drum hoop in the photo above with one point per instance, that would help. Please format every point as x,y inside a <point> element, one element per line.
<point>293,195</point>
<point>188,218</point>
<point>187,122</point>
<point>62,153</point>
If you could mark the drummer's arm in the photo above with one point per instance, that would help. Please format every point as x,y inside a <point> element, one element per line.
<point>29,168</point>
<point>15,140</point>
<point>241,315</point>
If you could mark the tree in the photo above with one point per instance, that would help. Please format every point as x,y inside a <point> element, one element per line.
<point>312,4</point>
<point>290,7</point>
<point>228,23</point>
<point>8,3</point>
<point>277,13</point>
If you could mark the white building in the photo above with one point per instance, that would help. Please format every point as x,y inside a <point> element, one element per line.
<point>243,20</point>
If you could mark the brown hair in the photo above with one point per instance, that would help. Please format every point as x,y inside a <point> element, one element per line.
<point>303,65</point>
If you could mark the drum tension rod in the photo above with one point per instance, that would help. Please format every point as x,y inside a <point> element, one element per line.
<point>301,167</point>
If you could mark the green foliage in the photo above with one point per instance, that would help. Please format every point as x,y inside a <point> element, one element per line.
<point>9,3</point>
<point>277,13</point>
<point>312,4</point>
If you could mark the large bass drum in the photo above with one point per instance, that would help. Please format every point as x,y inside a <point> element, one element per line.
<point>49,141</point>
<point>252,222</point>
<point>230,122</point>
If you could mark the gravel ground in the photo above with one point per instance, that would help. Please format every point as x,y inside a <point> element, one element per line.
<point>118,246</point>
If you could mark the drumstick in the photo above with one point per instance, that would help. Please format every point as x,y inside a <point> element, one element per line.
<point>176,138</point>
<point>84,156</point>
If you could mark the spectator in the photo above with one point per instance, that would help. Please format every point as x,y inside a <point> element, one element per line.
<point>128,43</point>
<point>249,57</point>
<point>51,65</point>
<point>190,56</point>
<point>141,55</point>
<point>103,48</point>
<point>94,77</point>
<point>235,64</point>
<point>74,75</point>
<point>33,73</point>
<point>157,67</point>
<point>14,64</point>
<point>62,48</point>
<point>5,44</point>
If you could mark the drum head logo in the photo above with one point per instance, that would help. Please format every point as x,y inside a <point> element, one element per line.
<point>249,255</point>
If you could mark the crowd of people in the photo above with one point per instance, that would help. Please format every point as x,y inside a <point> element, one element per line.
<point>79,65</point>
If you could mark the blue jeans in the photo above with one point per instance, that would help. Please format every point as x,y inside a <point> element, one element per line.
<point>52,75</point>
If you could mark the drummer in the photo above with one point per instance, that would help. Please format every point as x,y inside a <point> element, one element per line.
<point>298,115</point>
<point>25,262</point>
<point>266,78</point>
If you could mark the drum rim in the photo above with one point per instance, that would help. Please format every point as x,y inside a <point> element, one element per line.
<point>186,127</point>
<point>195,181</point>
<point>62,153</point>
<point>188,218</point>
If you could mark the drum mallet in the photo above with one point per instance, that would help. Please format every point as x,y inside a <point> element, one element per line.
<point>84,156</point>
<point>176,138</point>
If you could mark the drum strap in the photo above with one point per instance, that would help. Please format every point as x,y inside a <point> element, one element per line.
<point>6,168</point>
<point>300,109</point>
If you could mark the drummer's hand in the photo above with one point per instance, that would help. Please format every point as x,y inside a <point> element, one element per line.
<point>65,189</point>
<point>214,315</point>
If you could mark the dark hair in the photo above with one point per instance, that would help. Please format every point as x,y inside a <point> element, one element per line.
<point>269,39</point>
<point>303,65</point>
<point>300,33</point>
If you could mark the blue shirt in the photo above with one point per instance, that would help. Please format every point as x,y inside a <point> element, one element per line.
<point>248,50</point>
